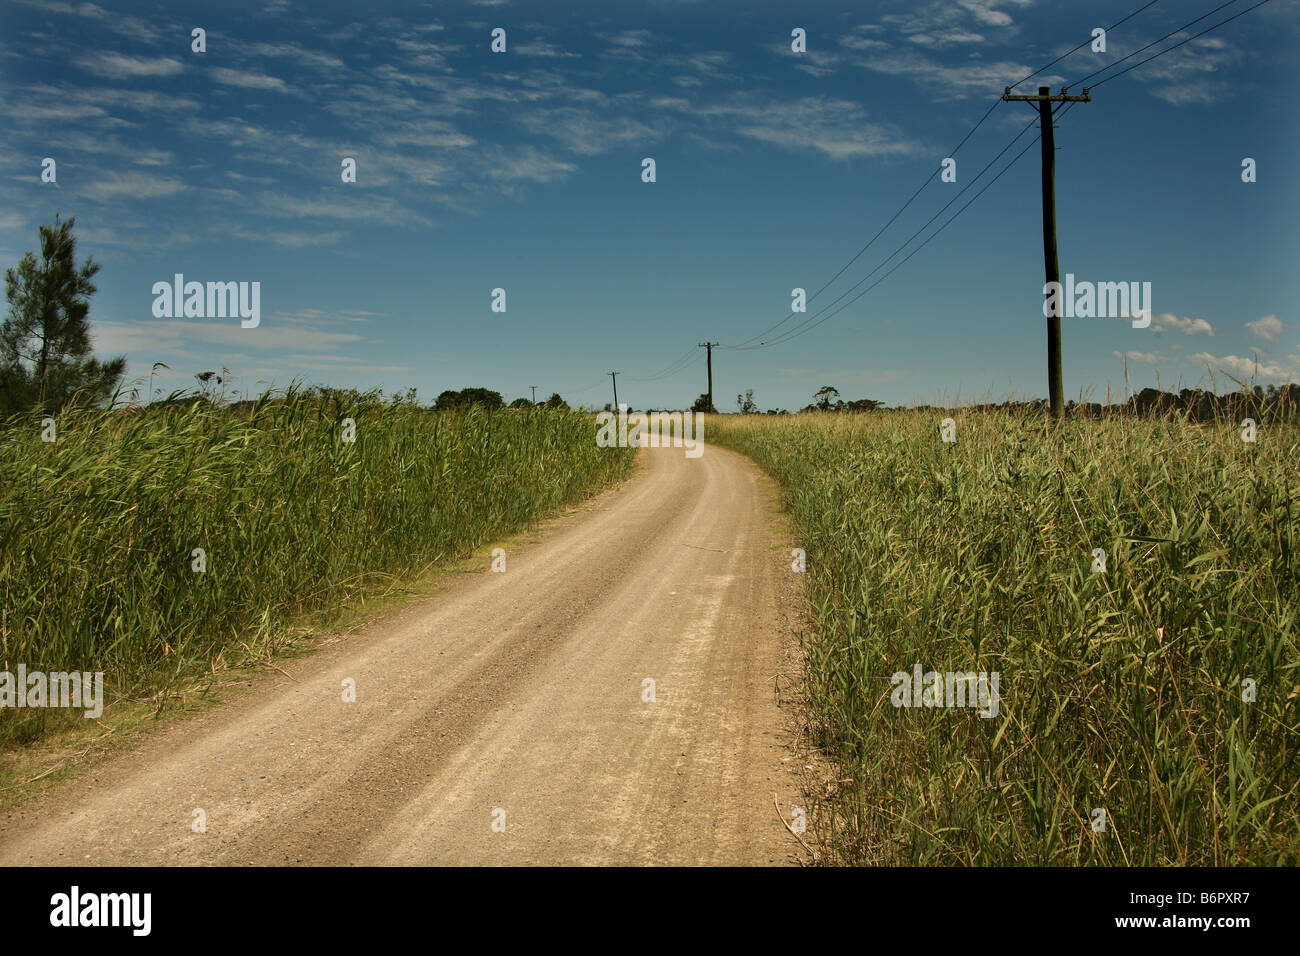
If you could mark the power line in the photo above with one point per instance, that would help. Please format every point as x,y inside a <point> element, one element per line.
<point>1085,43</point>
<point>585,388</point>
<point>1180,43</point>
<point>1150,45</point>
<point>904,245</point>
<point>930,178</point>
<point>675,370</point>
<point>811,322</point>
<point>901,262</point>
<point>932,236</point>
<point>672,368</point>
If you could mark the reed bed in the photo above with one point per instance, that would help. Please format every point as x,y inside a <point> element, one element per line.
<point>1122,691</point>
<point>98,529</point>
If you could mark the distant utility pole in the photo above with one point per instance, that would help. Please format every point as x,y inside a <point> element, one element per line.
<point>534,388</point>
<point>1045,99</point>
<point>614,376</point>
<point>710,346</point>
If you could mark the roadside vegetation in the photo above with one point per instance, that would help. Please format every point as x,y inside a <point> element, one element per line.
<point>99,528</point>
<point>1150,712</point>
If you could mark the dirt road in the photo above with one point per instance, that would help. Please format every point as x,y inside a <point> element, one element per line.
<point>513,700</point>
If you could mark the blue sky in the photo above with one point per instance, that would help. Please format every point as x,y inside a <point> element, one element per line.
<point>522,170</point>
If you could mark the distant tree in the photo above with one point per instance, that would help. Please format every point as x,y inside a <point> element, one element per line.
<point>521,403</point>
<point>746,403</point>
<point>45,353</point>
<point>863,405</point>
<point>343,397</point>
<point>557,403</point>
<point>702,405</point>
<point>824,397</point>
<point>486,398</point>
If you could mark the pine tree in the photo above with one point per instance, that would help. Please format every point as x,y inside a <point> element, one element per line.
<point>45,352</point>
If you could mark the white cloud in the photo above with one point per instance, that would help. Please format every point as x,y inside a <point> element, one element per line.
<point>293,51</point>
<point>944,38</point>
<point>319,316</point>
<point>37,113</point>
<point>945,17</point>
<point>588,132</point>
<point>529,165</point>
<point>288,238</point>
<point>178,337</point>
<point>1191,93</point>
<point>628,38</point>
<point>118,22</point>
<point>133,186</point>
<point>973,79</point>
<point>543,48</point>
<point>113,146</point>
<point>1243,368</point>
<point>1149,358</point>
<point>356,208</point>
<point>240,134</point>
<point>145,101</point>
<point>1165,321</point>
<point>1266,327</point>
<point>1191,74</point>
<point>837,128</point>
<point>119,67</point>
<point>248,80</point>
<point>40,103</point>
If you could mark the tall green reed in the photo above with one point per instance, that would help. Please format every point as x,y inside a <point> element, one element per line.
<point>1122,691</point>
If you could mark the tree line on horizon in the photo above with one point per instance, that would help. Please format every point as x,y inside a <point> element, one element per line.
<point>46,362</point>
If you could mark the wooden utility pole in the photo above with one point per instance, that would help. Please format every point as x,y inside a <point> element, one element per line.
<point>614,376</point>
<point>1045,99</point>
<point>534,388</point>
<point>710,346</point>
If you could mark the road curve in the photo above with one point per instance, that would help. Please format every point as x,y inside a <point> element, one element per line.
<point>501,721</point>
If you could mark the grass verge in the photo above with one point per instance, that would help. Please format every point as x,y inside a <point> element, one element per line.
<point>163,544</point>
<point>1126,733</point>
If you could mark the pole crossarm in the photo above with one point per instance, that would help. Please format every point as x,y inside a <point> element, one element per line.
<point>1061,97</point>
